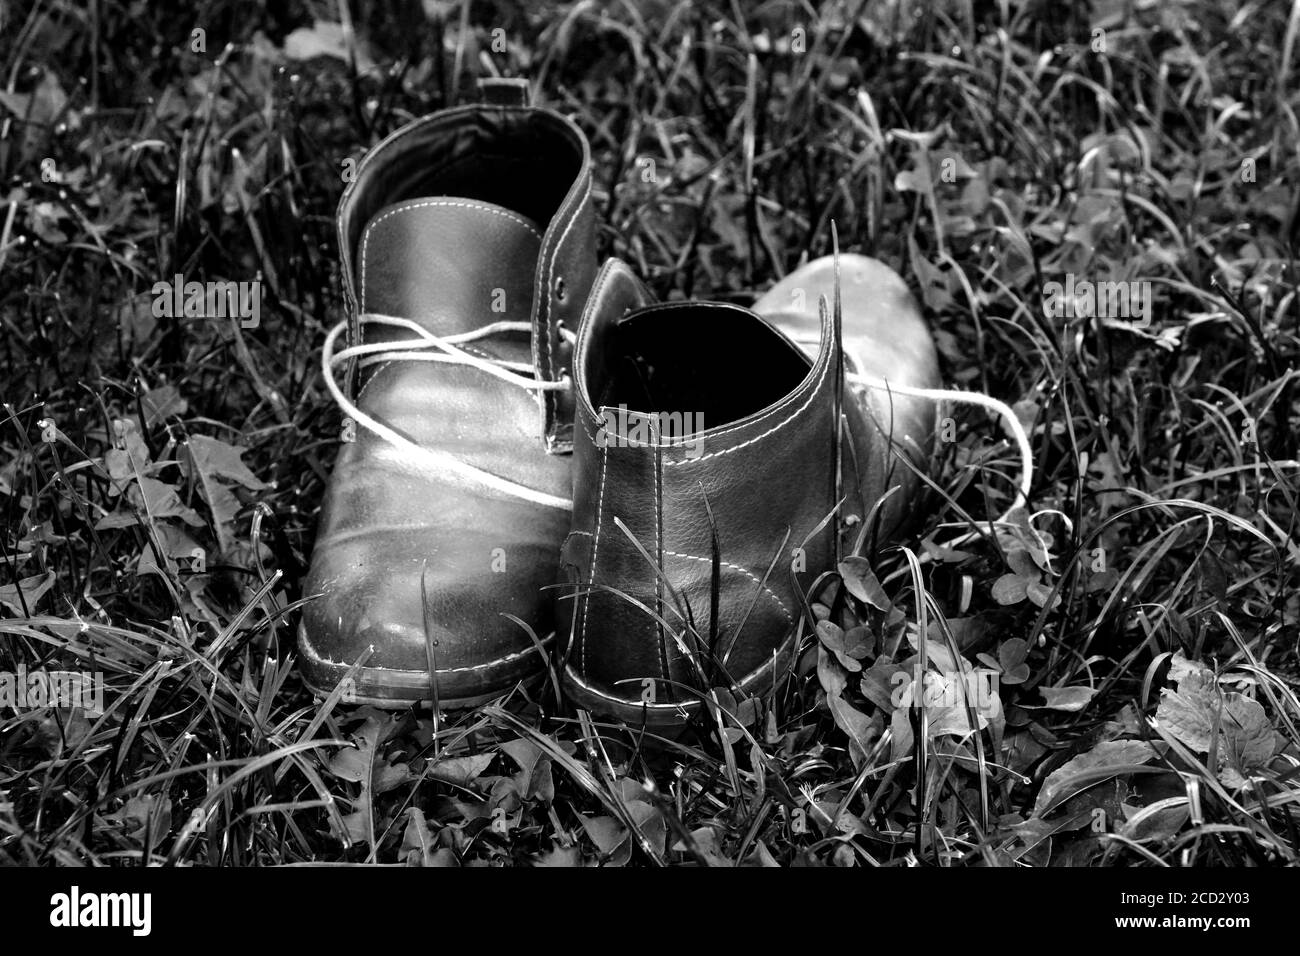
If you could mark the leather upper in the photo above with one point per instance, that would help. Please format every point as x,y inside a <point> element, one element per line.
<point>641,606</point>
<point>469,217</point>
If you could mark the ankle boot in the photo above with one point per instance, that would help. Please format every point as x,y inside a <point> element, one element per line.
<point>889,356</point>
<point>705,482</point>
<point>467,244</point>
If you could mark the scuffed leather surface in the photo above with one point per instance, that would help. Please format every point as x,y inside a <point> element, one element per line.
<point>763,473</point>
<point>445,261</point>
<point>883,330</point>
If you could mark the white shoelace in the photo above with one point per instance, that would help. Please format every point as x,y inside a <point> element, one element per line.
<point>983,401</point>
<point>953,395</point>
<point>427,347</point>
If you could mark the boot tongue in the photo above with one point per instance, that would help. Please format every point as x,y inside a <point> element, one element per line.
<point>451,265</point>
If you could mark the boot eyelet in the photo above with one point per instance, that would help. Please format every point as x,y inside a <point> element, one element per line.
<point>559,289</point>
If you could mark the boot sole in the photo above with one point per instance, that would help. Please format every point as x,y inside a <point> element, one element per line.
<point>393,689</point>
<point>675,714</point>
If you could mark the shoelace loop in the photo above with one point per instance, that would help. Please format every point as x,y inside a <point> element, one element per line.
<point>1009,417</point>
<point>1007,413</point>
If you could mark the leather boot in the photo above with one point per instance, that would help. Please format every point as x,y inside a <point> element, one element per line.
<point>886,342</point>
<point>705,479</point>
<point>468,248</point>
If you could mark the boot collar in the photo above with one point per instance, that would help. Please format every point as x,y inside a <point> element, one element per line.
<point>618,296</point>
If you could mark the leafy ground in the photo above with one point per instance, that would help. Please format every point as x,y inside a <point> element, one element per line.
<point>1132,634</point>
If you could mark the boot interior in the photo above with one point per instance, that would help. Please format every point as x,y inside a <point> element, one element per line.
<point>523,160</point>
<point>717,361</point>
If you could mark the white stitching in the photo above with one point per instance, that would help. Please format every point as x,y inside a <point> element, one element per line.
<point>659,586</point>
<point>365,246</point>
<point>595,549</point>
<point>441,670</point>
<point>705,436</point>
<point>756,674</point>
<point>745,571</point>
<point>545,315</point>
<point>370,227</point>
<point>371,380</point>
<point>584,333</point>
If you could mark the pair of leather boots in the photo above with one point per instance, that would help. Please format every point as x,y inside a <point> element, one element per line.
<point>548,466</point>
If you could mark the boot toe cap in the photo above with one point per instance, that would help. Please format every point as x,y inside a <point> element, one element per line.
<point>402,599</point>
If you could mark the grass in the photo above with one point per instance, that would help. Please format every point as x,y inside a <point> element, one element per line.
<point>159,479</point>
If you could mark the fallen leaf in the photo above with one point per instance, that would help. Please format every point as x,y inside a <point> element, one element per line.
<point>418,848</point>
<point>1108,759</point>
<point>862,583</point>
<point>525,753</point>
<point>356,763</point>
<point>651,824</point>
<point>832,636</point>
<point>162,403</point>
<point>461,771</point>
<point>33,589</point>
<point>1159,821</point>
<point>217,467</point>
<point>900,726</point>
<point>1069,699</point>
<point>605,832</point>
<point>860,728</point>
<point>880,685</point>
<point>831,677</point>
